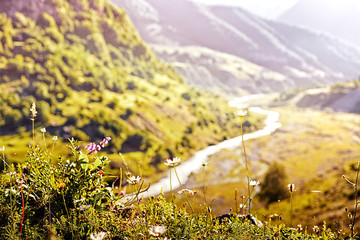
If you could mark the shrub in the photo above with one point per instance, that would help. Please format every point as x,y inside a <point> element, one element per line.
<point>273,188</point>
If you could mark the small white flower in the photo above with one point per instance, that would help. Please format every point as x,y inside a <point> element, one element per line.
<point>242,206</point>
<point>157,230</point>
<point>254,183</point>
<point>55,138</point>
<point>241,113</point>
<point>134,180</point>
<point>43,130</point>
<point>84,207</point>
<point>2,149</point>
<point>98,236</point>
<point>186,190</point>
<point>171,163</point>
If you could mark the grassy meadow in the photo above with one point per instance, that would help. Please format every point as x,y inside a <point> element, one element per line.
<point>68,196</point>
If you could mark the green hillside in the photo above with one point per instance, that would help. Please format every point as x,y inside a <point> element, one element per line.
<point>92,76</point>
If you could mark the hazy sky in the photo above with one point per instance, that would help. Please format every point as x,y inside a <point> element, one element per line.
<point>265,8</point>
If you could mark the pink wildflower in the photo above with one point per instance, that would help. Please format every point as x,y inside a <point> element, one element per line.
<point>93,148</point>
<point>105,142</point>
<point>122,193</point>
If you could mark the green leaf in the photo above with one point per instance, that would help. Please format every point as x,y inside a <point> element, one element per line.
<point>84,161</point>
<point>97,163</point>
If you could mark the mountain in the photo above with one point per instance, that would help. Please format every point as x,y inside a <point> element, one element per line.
<point>288,56</point>
<point>91,76</point>
<point>338,18</point>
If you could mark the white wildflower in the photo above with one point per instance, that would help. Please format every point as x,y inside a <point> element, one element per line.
<point>157,230</point>
<point>186,191</point>
<point>171,163</point>
<point>98,236</point>
<point>241,113</point>
<point>254,183</point>
<point>134,180</point>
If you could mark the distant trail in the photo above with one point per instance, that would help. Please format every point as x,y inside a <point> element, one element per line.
<point>194,164</point>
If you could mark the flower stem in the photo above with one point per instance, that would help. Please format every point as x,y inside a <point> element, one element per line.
<point>204,182</point>
<point>171,190</point>
<point>187,199</point>
<point>23,207</point>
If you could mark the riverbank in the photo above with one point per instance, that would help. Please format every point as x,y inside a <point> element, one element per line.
<point>194,164</point>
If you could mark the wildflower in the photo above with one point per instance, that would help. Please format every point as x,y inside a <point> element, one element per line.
<point>33,111</point>
<point>84,207</point>
<point>43,130</point>
<point>291,187</point>
<point>93,148</point>
<point>186,190</point>
<point>157,230</point>
<point>242,206</point>
<point>254,183</point>
<point>241,113</point>
<point>204,164</point>
<point>98,236</point>
<point>316,229</point>
<point>134,180</point>
<point>172,163</point>
<point>11,174</point>
<point>105,142</point>
<point>55,138</point>
<point>2,149</point>
<point>100,173</point>
<point>122,193</point>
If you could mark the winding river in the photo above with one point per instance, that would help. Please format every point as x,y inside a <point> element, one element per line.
<point>194,164</point>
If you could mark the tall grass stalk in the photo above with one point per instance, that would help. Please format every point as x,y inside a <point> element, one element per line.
<point>236,202</point>
<point>242,114</point>
<point>67,213</point>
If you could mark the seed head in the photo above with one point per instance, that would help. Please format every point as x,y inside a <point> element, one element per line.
<point>33,111</point>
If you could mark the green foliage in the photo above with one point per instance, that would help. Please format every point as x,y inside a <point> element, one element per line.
<point>273,188</point>
<point>71,200</point>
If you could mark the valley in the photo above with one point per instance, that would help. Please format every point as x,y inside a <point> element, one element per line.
<point>316,149</point>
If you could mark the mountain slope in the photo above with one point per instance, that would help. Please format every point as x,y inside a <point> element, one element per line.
<point>302,57</point>
<point>91,76</point>
<point>335,17</point>
<point>340,97</point>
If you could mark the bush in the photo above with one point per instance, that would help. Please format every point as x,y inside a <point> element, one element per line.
<point>274,185</point>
